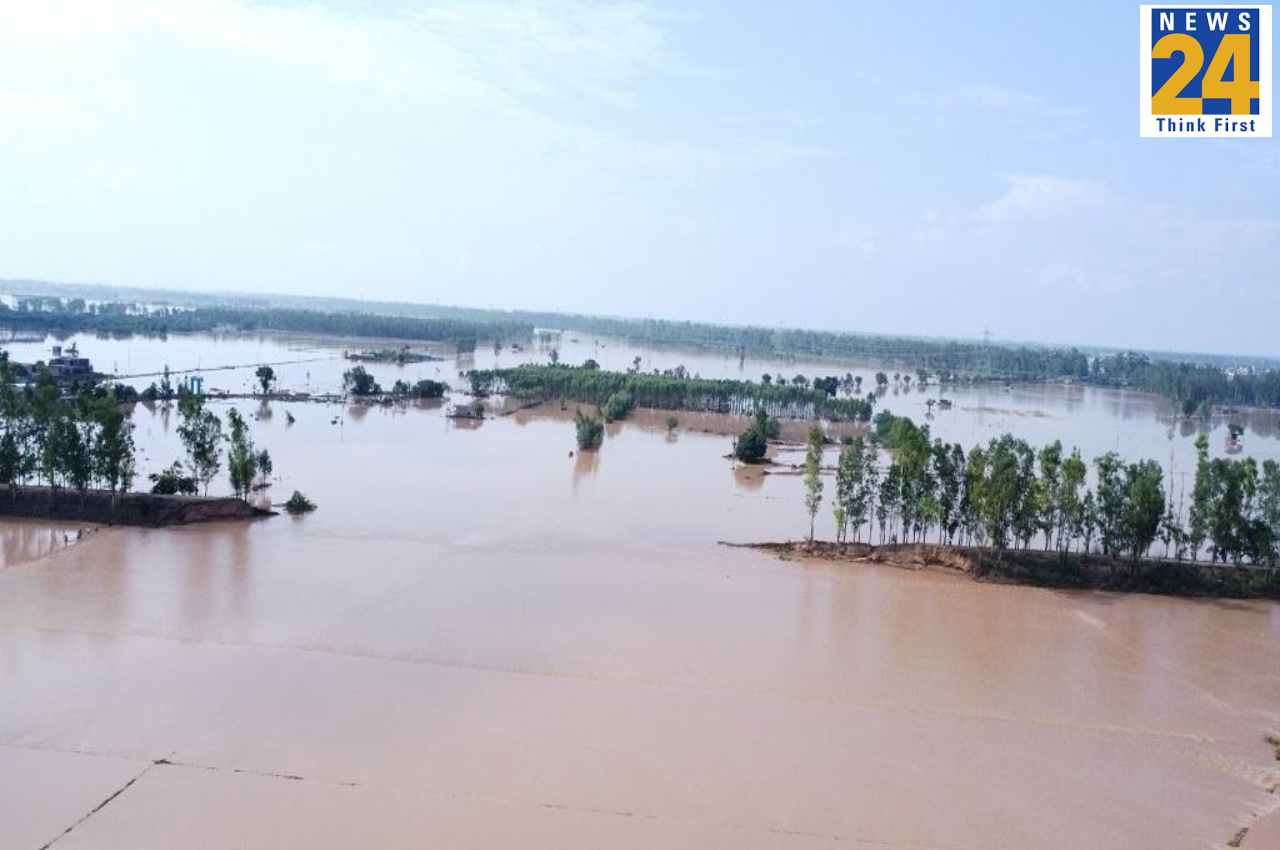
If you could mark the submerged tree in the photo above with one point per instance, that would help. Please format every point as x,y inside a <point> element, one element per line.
<point>359,382</point>
<point>589,431</point>
<point>618,406</point>
<point>265,466</point>
<point>753,443</point>
<point>299,504</point>
<point>266,377</point>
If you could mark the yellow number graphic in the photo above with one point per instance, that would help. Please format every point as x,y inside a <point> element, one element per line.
<point>1166,101</point>
<point>1240,90</point>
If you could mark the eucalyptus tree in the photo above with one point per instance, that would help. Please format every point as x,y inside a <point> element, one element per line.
<point>948,467</point>
<point>856,478</point>
<point>1048,492</point>
<point>200,430</point>
<point>242,457</point>
<point>813,475</point>
<point>1269,504</point>
<point>1201,498</point>
<point>1144,506</point>
<point>1110,502</point>
<point>1071,508</point>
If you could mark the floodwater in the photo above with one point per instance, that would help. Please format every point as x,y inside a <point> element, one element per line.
<point>485,639</point>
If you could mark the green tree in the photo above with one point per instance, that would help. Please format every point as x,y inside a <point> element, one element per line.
<point>359,382</point>
<point>266,377</point>
<point>172,481</point>
<point>1071,511</point>
<point>166,384</point>
<point>846,490</point>
<point>113,448</point>
<point>589,431</point>
<point>618,406</point>
<point>1048,492</point>
<point>1144,506</point>
<point>1111,505</point>
<point>265,465</point>
<point>201,433</point>
<point>1201,498</point>
<point>242,458</point>
<point>888,498</point>
<point>753,443</point>
<point>1269,504</point>
<point>813,476</point>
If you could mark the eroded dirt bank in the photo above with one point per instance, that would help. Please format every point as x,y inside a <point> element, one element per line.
<point>1048,569</point>
<point>103,508</point>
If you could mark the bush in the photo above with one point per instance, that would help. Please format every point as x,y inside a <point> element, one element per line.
<point>590,431</point>
<point>672,423</point>
<point>429,389</point>
<point>751,445</point>
<point>618,406</point>
<point>171,482</point>
<point>299,504</point>
<point>360,382</point>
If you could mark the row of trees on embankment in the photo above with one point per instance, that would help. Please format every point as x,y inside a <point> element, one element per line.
<point>84,441</point>
<point>68,316</point>
<point>1007,495</point>
<point>1194,386</point>
<point>75,443</point>
<point>669,390</point>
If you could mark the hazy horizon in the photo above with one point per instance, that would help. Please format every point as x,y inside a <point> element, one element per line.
<point>33,287</point>
<point>737,163</point>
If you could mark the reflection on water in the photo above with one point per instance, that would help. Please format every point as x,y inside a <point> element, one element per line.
<point>23,541</point>
<point>585,465</point>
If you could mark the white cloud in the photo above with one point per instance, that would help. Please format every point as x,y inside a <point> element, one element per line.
<point>989,97</point>
<point>1043,196</point>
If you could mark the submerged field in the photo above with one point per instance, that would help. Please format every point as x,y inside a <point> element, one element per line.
<point>482,640</point>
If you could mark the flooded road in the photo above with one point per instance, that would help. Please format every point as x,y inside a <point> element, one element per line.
<point>481,639</point>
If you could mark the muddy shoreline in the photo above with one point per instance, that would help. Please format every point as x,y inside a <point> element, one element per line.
<point>1044,569</point>
<point>142,509</point>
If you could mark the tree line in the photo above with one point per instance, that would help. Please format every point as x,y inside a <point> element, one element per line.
<point>360,382</point>
<point>1007,494</point>
<point>64,443</point>
<point>1194,386</point>
<point>119,319</point>
<point>672,389</point>
<point>1193,381</point>
<point>203,440</point>
<point>85,440</point>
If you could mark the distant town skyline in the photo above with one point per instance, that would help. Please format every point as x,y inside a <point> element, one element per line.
<point>936,171</point>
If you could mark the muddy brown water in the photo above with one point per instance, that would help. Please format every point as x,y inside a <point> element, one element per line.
<point>483,640</point>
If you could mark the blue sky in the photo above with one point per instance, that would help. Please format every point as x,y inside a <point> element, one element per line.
<point>923,168</point>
